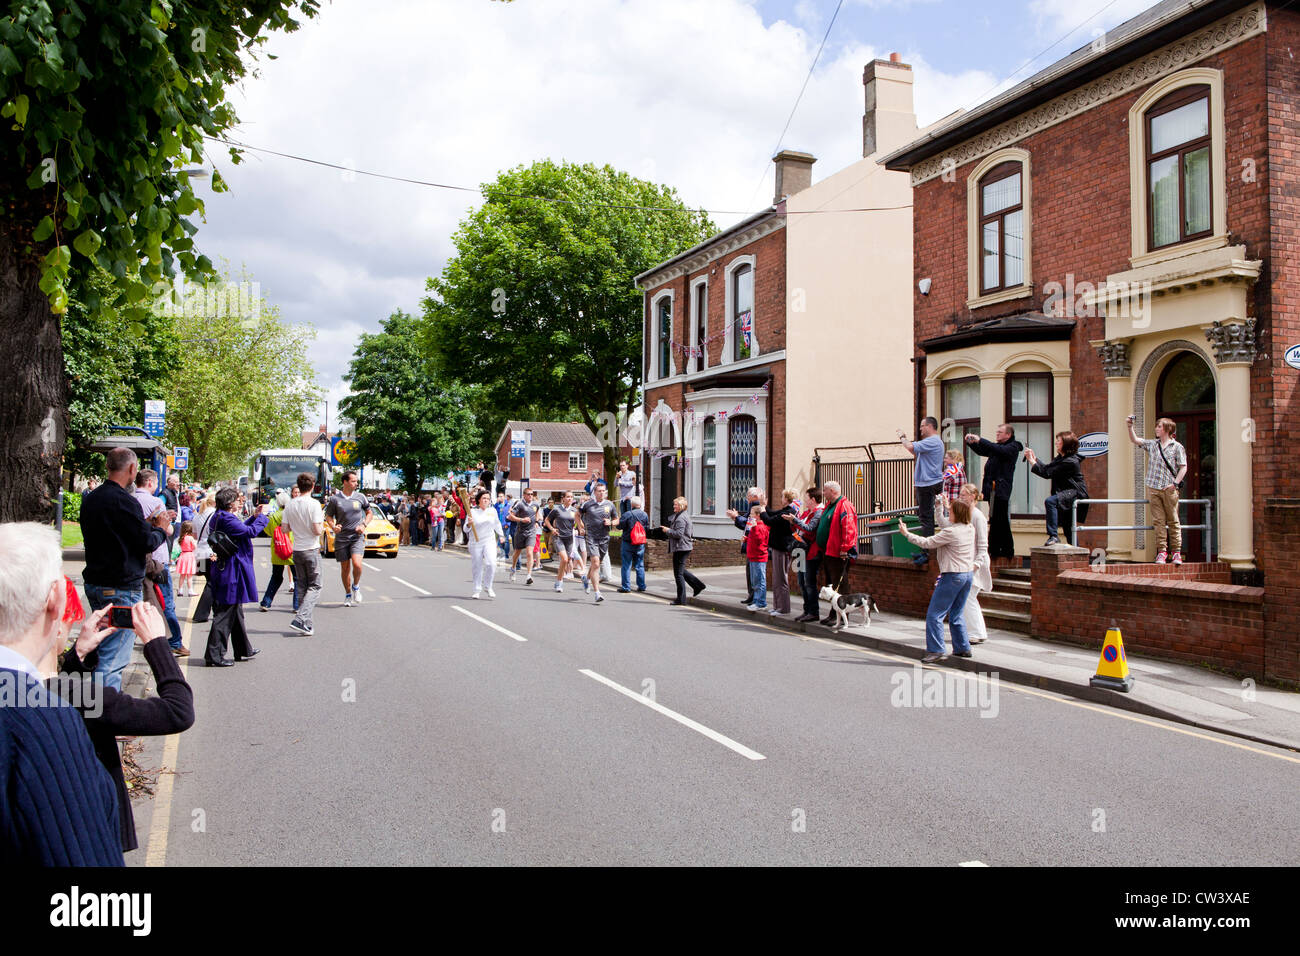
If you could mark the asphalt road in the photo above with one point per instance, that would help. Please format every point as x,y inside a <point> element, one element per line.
<point>406,732</point>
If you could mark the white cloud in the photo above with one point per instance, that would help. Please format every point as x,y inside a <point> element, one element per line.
<point>690,94</point>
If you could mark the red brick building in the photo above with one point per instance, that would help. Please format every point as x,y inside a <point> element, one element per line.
<point>562,456</point>
<point>1117,235</point>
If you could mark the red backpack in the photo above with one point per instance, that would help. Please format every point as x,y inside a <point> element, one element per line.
<point>282,543</point>
<point>637,533</point>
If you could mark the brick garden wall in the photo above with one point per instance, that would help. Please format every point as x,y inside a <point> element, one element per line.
<point>1161,612</point>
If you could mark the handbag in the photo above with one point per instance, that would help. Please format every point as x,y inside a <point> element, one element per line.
<point>223,545</point>
<point>176,550</point>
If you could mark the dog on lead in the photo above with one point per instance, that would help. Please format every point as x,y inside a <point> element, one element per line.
<point>845,604</point>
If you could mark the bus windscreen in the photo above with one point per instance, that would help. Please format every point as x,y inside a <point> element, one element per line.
<point>281,473</point>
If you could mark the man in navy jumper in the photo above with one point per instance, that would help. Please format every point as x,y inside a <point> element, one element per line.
<point>57,803</point>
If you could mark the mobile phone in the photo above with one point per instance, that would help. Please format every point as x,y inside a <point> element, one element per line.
<point>120,616</point>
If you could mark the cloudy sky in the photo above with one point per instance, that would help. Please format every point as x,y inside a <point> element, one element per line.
<point>691,93</point>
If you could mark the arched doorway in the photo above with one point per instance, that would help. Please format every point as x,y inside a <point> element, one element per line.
<point>1185,393</point>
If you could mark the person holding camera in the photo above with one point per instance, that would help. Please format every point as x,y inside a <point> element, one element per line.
<point>1065,472</point>
<point>1166,469</point>
<point>233,582</point>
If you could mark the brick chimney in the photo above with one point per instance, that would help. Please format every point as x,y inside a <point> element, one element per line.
<point>793,172</point>
<point>889,120</point>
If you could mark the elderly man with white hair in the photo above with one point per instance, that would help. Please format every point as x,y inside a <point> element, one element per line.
<point>57,803</point>
<point>632,546</point>
<point>836,539</point>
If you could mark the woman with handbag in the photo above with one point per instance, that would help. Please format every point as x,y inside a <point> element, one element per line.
<point>233,582</point>
<point>203,556</point>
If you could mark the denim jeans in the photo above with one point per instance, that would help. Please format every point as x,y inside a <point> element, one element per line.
<point>1057,513</point>
<point>273,585</point>
<point>114,650</point>
<point>758,582</point>
<point>435,539</point>
<point>169,609</point>
<point>633,556</point>
<point>808,578</point>
<point>949,598</point>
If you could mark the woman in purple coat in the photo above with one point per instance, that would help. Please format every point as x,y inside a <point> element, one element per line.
<point>233,582</point>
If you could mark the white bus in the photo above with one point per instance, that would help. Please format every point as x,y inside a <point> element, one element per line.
<point>277,469</point>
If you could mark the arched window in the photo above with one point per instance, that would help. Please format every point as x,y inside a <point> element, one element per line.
<point>1178,142</point>
<point>709,468</point>
<point>743,460</point>
<point>1002,228</point>
<point>742,312</point>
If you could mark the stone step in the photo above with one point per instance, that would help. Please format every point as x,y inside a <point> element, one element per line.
<point>1007,620</point>
<point>1022,574</point>
<point>1004,601</point>
<point>1012,586</point>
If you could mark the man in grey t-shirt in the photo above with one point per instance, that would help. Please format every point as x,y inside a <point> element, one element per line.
<point>347,515</point>
<point>524,524</point>
<point>596,517</point>
<point>561,521</point>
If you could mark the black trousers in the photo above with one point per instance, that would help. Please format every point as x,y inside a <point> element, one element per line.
<point>1001,543</point>
<point>809,584</point>
<point>203,610</point>
<point>227,625</point>
<point>925,495</point>
<point>683,576</point>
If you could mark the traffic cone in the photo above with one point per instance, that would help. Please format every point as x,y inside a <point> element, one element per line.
<point>1112,668</point>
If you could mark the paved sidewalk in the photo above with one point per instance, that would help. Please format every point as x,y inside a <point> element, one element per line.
<point>1180,692</point>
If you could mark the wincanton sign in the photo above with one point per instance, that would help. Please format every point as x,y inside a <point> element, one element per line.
<point>1094,444</point>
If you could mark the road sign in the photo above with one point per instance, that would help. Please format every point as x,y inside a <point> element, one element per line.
<point>342,450</point>
<point>182,458</point>
<point>155,415</point>
<point>518,443</point>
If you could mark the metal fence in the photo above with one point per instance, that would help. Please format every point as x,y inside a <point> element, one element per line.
<point>1207,527</point>
<point>875,482</point>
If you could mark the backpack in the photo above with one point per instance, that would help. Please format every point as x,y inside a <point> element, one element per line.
<point>281,542</point>
<point>636,534</point>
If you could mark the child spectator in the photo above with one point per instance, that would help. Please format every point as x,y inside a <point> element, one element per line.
<point>186,565</point>
<point>756,552</point>
<point>954,473</point>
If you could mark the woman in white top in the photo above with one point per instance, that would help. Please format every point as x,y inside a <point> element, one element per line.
<point>982,577</point>
<point>485,532</point>
<point>954,546</point>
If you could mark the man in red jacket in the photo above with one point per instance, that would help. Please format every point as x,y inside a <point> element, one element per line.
<point>837,539</point>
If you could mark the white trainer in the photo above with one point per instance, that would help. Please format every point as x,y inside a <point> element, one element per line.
<point>475,595</point>
<point>356,593</point>
<point>491,593</point>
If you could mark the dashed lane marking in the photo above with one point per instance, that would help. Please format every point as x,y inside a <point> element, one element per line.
<point>483,620</point>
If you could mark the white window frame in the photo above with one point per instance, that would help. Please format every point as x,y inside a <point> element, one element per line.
<point>544,461</point>
<point>695,322</point>
<point>729,316</point>
<point>1142,253</point>
<point>653,372</point>
<point>974,299</point>
<point>581,463</point>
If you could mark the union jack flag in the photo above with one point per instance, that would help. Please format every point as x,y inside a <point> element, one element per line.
<point>747,328</point>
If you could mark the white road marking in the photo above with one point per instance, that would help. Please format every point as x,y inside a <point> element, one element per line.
<point>156,846</point>
<point>370,566</point>
<point>483,620</point>
<point>412,586</point>
<point>973,863</point>
<point>685,721</point>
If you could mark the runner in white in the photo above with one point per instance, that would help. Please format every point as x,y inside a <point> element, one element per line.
<point>595,518</point>
<point>561,523</point>
<point>485,533</point>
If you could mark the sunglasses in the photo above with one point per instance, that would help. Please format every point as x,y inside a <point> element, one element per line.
<point>73,612</point>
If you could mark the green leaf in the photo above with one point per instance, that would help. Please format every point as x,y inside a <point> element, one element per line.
<point>44,229</point>
<point>9,64</point>
<point>87,243</point>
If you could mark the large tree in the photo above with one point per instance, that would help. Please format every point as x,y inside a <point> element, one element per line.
<point>243,381</point>
<point>107,101</point>
<point>405,416</point>
<point>538,303</point>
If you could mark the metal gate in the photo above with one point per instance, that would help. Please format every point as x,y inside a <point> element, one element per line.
<point>876,480</point>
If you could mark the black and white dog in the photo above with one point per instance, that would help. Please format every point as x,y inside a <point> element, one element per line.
<point>845,604</point>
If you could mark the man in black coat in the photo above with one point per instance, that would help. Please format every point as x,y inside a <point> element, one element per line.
<point>999,473</point>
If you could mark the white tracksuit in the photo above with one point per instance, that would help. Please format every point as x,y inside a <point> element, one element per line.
<point>483,549</point>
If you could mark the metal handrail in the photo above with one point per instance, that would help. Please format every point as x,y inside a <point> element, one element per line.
<point>883,514</point>
<point>1207,527</point>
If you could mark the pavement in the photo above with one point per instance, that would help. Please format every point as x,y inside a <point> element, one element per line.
<point>1190,695</point>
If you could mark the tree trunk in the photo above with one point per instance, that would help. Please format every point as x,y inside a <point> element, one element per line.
<point>34,412</point>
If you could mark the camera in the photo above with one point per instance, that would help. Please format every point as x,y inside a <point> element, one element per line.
<point>120,616</point>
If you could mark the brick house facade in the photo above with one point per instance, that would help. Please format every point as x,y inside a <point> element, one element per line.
<point>1078,274</point>
<point>562,456</point>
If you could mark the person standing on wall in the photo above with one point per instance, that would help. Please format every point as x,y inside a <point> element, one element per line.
<point>927,479</point>
<point>1166,469</point>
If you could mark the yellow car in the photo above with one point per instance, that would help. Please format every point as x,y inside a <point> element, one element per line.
<point>381,536</point>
